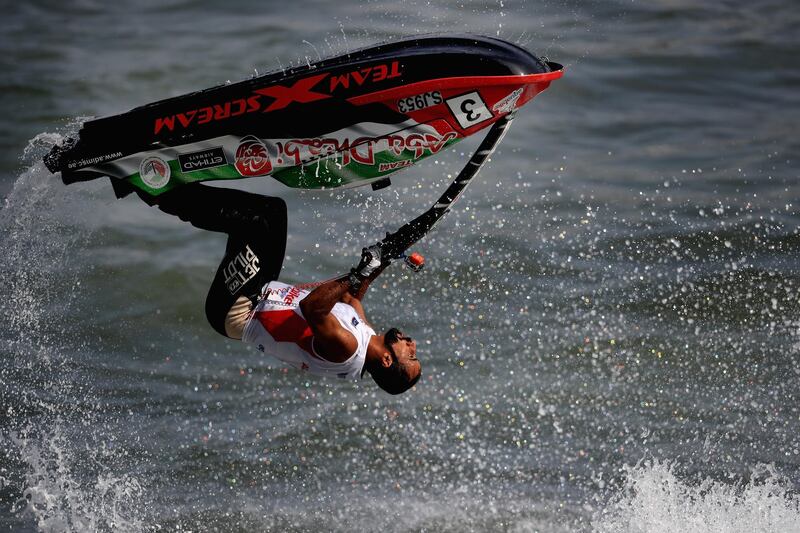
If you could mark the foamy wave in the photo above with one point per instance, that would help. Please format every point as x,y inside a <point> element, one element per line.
<point>654,500</point>
<point>60,497</point>
<point>62,483</point>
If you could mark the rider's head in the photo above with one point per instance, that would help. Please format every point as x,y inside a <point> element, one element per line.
<point>398,369</point>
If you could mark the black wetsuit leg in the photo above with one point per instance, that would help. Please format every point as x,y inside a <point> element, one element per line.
<point>256,227</point>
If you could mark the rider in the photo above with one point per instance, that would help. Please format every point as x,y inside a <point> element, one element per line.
<point>323,331</point>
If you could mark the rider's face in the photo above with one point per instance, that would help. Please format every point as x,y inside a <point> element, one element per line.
<point>404,350</point>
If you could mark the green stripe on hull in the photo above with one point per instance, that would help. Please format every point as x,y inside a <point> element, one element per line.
<point>324,173</point>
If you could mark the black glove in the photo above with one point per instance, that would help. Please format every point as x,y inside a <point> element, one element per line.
<point>370,262</point>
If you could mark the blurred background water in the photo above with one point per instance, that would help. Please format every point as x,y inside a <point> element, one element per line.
<point>608,323</point>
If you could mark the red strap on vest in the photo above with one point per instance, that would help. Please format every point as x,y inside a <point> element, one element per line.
<point>287,326</point>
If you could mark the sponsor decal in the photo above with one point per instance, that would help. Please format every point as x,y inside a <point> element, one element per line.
<point>395,165</point>
<point>252,158</point>
<point>419,101</point>
<point>283,295</point>
<point>155,172</point>
<point>80,163</point>
<point>241,269</point>
<point>469,109</point>
<point>360,150</point>
<point>293,293</point>
<point>354,321</point>
<point>509,103</point>
<point>299,92</point>
<point>373,74</point>
<point>299,151</point>
<point>270,291</point>
<point>210,158</point>
<point>280,303</point>
<point>419,142</point>
<point>303,91</point>
<point>342,155</point>
<point>233,108</point>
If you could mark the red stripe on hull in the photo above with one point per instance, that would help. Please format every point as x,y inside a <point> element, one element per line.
<point>541,81</point>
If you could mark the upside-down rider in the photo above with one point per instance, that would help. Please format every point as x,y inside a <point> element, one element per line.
<point>323,331</point>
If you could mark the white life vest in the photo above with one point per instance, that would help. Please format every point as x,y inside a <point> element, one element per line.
<point>277,326</point>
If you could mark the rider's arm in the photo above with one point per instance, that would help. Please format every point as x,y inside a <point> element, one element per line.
<point>331,340</point>
<point>353,297</point>
<point>358,294</point>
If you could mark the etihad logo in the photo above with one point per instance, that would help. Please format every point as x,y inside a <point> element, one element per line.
<point>204,159</point>
<point>302,91</point>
